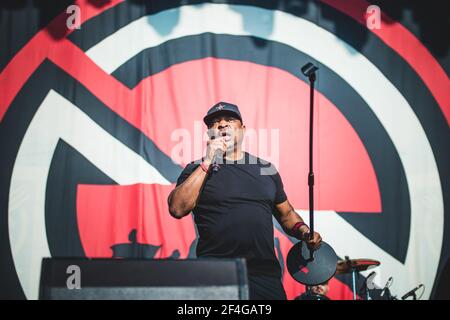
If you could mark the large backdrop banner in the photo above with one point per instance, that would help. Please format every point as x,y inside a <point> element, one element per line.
<point>101,105</point>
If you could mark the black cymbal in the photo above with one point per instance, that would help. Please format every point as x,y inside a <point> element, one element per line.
<point>313,271</point>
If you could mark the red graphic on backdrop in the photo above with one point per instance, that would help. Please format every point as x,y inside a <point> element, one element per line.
<point>106,214</point>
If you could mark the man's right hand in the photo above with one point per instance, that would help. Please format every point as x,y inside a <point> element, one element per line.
<point>213,145</point>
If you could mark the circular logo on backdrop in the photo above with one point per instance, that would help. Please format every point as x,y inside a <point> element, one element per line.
<point>90,170</point>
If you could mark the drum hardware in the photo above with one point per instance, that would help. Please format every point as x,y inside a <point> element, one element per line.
<point>354,267</point>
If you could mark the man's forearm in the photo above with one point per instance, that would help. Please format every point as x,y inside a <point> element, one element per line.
<point>290,225</point>
<point>184,197</point>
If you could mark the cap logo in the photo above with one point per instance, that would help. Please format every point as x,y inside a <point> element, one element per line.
<point>220,107</point>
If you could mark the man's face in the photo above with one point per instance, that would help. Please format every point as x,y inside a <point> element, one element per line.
<point>320,289</point>
<point>229,127</point>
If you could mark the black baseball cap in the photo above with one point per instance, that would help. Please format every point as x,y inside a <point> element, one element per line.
<point>222,107</point>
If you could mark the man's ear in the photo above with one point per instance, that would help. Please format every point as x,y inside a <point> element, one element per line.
<point>243,129</point>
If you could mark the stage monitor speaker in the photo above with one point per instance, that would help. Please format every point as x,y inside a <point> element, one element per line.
<point>104,279</point>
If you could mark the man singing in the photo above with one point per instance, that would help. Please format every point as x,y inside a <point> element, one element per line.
<point>233,206</point>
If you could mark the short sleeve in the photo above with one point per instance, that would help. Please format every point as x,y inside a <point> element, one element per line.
<point>280,195</point>
<point>187,171</point>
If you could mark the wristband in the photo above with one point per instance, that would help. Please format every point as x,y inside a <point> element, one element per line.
<point>204,167</point>
<point>298,225</point>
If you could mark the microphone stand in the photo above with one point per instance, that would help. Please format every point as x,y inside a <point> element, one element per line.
<point>311,266</point>
<point>310,71</point>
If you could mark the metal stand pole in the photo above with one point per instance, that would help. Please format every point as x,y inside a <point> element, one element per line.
<point>354,283</point>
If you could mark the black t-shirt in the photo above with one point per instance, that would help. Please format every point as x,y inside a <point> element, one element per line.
<point>234,213</point>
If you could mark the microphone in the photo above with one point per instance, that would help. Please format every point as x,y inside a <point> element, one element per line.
<point>218,156</point>
<point>368,285</point>
<point>369,278</point>
<point>412,292</point>
<point>370,275</point>
<point>386,286</point>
